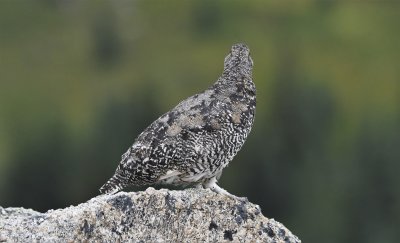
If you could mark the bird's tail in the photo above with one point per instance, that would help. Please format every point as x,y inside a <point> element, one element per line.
<point>113,185</point>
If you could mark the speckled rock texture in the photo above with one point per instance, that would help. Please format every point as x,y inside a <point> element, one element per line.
<point>191,215</point>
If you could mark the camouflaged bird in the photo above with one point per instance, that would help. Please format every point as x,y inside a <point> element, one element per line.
<point>196,140</point>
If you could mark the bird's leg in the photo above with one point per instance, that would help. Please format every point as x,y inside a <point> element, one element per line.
<point>212,184</point>
<point>199,186</point>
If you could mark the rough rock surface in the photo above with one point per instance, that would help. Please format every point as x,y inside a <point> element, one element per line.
<point>192,215</point>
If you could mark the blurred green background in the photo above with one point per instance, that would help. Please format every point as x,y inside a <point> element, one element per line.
<point>79,80</point>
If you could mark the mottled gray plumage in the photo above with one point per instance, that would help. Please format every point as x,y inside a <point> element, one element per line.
<point>195,141</point>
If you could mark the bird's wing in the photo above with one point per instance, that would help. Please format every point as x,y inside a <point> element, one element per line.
<point>164,140</point>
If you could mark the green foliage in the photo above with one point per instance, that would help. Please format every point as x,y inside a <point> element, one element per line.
<point>80,80</point>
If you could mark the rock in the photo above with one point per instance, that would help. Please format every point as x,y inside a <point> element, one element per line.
<point>191,215</point>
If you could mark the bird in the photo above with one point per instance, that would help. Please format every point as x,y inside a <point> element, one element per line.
<point>191,144</point>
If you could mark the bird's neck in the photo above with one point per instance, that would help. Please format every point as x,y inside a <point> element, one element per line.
<point>235,75</point>
<point>238,72</point>
<point>239,80</point>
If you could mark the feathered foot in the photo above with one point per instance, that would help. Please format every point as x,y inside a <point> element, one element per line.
<point>212,184</point>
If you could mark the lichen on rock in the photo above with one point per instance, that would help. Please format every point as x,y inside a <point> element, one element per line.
<point>191,215</point>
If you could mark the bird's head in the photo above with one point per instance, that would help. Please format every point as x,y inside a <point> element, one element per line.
<point>239,60</point>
